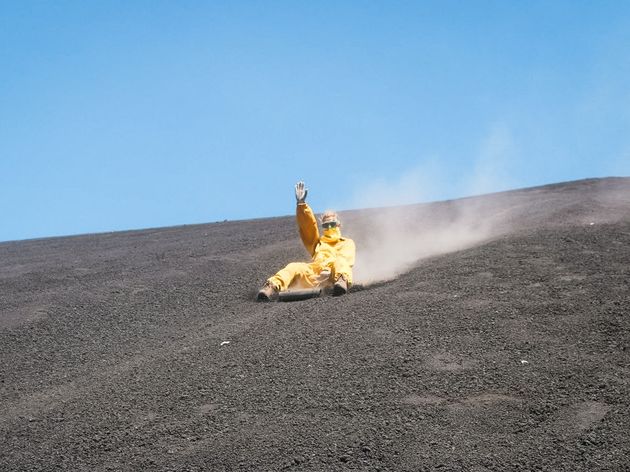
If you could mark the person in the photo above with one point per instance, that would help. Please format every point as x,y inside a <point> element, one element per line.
<point>332,256</point>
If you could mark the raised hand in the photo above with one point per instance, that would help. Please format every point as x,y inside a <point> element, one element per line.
<point>300,192</point>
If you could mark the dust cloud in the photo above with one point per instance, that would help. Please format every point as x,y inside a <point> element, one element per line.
<point>392,240</point>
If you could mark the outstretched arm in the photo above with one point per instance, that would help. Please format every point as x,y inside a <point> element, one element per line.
<point>307,223</point>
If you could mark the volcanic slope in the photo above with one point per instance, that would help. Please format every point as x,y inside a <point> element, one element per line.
<point>505,347</point>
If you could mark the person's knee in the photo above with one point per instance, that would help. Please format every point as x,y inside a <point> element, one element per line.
<point>294,266</point>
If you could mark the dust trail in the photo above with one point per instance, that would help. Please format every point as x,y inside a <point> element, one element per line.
<point>391,240</point>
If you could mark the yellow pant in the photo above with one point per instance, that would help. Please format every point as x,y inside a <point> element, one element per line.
<point>301,275</point>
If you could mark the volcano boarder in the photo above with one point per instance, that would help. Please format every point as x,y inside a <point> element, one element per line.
<point>332,256</point>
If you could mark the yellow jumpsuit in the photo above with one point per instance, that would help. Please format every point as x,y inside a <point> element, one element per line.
<point>331,254</point>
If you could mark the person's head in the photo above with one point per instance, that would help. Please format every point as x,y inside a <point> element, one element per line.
<point>330,220</point>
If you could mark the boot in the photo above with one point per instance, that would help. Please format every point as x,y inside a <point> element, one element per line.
<point>267,292</point>
<point>340,287</point>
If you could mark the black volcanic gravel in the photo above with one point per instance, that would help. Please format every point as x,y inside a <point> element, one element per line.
<point>144,350</point>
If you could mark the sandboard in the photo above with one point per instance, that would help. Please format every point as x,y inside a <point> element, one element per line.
<point>301,294</point>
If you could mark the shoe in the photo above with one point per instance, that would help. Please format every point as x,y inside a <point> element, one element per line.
<point>267,292</point>
<point>340,287</point>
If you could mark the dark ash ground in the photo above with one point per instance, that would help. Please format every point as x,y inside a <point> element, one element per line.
<point>511,355</point>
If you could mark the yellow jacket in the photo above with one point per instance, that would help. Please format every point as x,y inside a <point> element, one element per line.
<point>337,255</point>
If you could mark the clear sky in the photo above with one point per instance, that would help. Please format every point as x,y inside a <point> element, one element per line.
<point>132,114</point>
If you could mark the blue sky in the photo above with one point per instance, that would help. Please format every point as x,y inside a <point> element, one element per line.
<point>132,114</point>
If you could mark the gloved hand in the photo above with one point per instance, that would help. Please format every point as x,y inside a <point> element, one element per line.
<point>300,192</point>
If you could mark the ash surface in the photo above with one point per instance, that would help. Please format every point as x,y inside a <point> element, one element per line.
<point>145,350</point>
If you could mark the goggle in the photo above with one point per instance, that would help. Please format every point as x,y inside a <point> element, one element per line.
<point>329,224</point>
